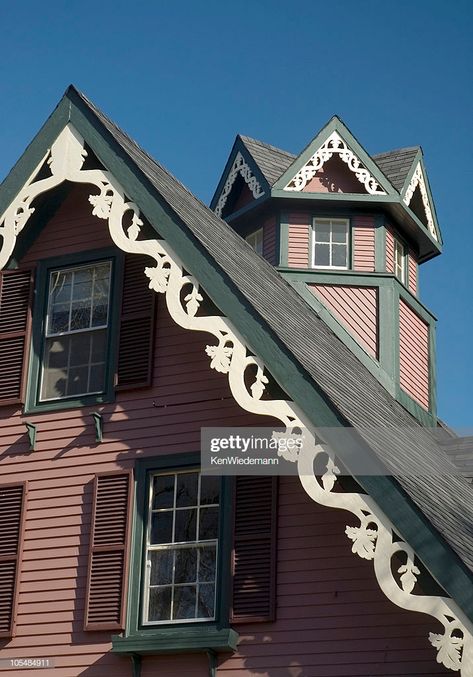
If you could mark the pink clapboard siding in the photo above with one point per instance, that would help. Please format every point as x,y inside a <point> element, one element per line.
<point>389,251</point>
<point>332,618</point>
<point>357,310</point>
<point>269,240</point>
<point>413,354</point>
<point>364,247</point>
<point>299,241</point>
<point>412,272</point>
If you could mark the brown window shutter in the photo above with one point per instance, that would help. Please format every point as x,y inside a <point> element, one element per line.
<point>106,594</point>
<point>254,549</point>
<point>12,511</point>
<point>135,352</point>
<point>16,290</point>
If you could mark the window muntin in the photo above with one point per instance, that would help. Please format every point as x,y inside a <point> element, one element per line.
<point>255,240</point>
<point>400,255</point>
<point>181,548</point>
<point>76,332</point>
<point>330,243</point>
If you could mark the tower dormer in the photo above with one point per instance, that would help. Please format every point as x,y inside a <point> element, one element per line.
<point>348,231</point>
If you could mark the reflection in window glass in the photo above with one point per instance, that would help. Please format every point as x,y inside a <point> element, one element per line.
<point>181,548</point>
<point>77,320</point>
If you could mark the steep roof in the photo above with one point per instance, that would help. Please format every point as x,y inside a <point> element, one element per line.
<point>317,370</point>
<point>271,160</point>
<point>395,164</point>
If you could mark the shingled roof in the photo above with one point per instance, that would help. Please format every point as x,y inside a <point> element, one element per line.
<point>275,320</point>
<point>272,161</point>
<point>395,164</point>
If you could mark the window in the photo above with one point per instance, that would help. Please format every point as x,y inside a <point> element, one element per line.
<point>181,548</point>
<point>76,331</point>
<point>330,243</point>
<point>400,254</point>
<point>255,240</point>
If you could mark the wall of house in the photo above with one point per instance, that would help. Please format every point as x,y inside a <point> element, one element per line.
<point>412,268</point>
<point>413,355</point>
<point>363,241</point>
<point>357,310</point>
<point>332,619</point>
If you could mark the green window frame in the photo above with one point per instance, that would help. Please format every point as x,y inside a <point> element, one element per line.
<point>75,262</point>
<point>179,635</point>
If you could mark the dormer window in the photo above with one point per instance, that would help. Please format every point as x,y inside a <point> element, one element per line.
<point>255,240</point>
<point>400,256</point>
<point>330,243</point>
<point>76,327</point>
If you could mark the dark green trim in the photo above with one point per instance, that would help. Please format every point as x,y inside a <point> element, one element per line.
<point>213,635</point>
<point>32,403</point>
<point>335,125</point>
<point>436,554</point>
<point>177,640</point>
<point>135,665</point>
<point>364,198</point>
<point>283,239</point>
<point>380,243</point>
<point>31,431</point>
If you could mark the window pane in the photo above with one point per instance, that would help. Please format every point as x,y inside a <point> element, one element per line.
<point>186,521</point>
<point>339,232</point>
<point>80,315</point>
<point>206,601</point>
<point>57,352</point>
<point>60,287</point>
<point>82,289</point>
<point>322,231</point>
<point>163,491</point>
<point>159,604</point>
<point>54,384</point>
<point>339,255</point>
<point>161,527</point>
<point>186,565</point>
<point>99,345</point>
<point>97,378</point>
<point>322,255</point>
<point>209,489</point>
<point>184,602</point>
<point>187,488</point>
<point>208,525</point>
<point>207,564</point>
<point>80,349</point>
<point>59,318</point>
<point>162,562</point>
<point>77,381</point>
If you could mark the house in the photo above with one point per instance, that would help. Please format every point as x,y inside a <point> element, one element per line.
<point>131,317</point>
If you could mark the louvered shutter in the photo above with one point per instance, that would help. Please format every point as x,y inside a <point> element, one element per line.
<point>136,326</point>
<point>254,549</point>
<point>15,323</point>
<point>12,498</point>
<point>105,602</point>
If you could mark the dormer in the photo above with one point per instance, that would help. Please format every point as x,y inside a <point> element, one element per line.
<point>348,231</point>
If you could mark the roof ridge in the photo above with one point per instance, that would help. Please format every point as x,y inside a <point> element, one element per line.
<point>396,150</point>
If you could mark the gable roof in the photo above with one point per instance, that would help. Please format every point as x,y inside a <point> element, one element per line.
<point>395,164</point>
<point>271,160</point>
<point>434,512</point>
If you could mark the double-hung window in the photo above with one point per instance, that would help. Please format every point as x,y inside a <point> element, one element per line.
<point>181,548</point>
<point>330,243</point>
<point>76,331</point>
<point>255,240</point>
<point>400,255</point>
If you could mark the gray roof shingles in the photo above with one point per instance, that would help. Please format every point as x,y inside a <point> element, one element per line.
<point>443,496</point>
<point>272,161</point>
<point>395,164</point>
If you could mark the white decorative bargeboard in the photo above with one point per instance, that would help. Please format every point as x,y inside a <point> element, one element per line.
<point>239,166</point>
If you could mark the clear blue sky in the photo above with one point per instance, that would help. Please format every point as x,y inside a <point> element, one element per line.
<point>184,79</point>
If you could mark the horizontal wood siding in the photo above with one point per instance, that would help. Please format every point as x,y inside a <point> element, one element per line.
<point>298,255</point>
<point>413,354</point>
<point>269,240</point>
<point>357,310</point>
<point>412,272</point>
<point>363,243</point>
<point>389,251</point>
<point>332,620</point>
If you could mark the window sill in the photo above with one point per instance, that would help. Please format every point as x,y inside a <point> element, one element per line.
<point>176,640</point>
